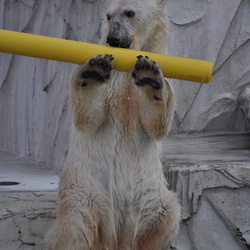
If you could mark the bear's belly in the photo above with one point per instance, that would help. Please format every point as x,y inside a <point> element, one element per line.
<point>122,176</point>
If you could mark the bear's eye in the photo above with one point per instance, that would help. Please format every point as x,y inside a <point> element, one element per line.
<point>108,17</point>
<point>129,13</point>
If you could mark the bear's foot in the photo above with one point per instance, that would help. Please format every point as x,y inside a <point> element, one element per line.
<point>97,68</point>
<point>147,72</point>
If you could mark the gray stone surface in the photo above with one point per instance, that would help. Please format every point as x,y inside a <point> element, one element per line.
<point>34,110</point>
<point>25,217</point>
<point>29,176</point>
<point>211,176</point>
<point>217,31</point>
<point>195,164</point>
<point>221,222</point>
<point>27,209</point>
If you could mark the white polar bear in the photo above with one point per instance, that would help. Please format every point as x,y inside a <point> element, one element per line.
<point>112,191</point>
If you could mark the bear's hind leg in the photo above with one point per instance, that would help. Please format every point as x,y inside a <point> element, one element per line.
<point>75,229</point>
<point>162,229</point>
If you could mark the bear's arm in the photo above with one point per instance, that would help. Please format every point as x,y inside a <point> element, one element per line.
<point>87,103</point>
<point>157,110</point>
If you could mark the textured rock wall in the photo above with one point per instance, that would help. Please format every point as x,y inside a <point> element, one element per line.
<point>34,110</point>
<point>217,31</point>
<point>211,176</point>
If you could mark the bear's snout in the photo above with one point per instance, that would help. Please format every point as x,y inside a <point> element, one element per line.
<point>118,36</point>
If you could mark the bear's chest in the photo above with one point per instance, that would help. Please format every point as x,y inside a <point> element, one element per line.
<point>122,99</point>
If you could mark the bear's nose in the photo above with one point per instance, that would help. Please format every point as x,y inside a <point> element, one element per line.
<point>118,36</point>
<point>116,42</point>
<point>112,41</point>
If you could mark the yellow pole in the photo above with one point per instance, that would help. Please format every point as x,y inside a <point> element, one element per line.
<point>78,52</point>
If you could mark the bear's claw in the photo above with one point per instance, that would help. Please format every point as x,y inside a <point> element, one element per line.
<point>98,68</point>
<point>147,72</point>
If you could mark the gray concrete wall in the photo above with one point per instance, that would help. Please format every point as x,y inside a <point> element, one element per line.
<point>34,110</point>
<point>217,31</point>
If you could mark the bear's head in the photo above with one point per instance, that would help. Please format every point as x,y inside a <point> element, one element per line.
<point>136,24</point>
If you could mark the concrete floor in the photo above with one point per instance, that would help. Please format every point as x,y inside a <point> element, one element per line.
<point>200,169</point>
<point>27,208</point>
<point>31,176</point>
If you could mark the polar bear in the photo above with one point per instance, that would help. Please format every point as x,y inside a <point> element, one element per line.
<point>112,191</point>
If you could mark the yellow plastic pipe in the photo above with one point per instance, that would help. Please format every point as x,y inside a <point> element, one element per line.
<point>78,52</point>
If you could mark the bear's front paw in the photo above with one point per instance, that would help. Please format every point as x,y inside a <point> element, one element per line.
<point>96,68</point>
<point>147,72</point>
